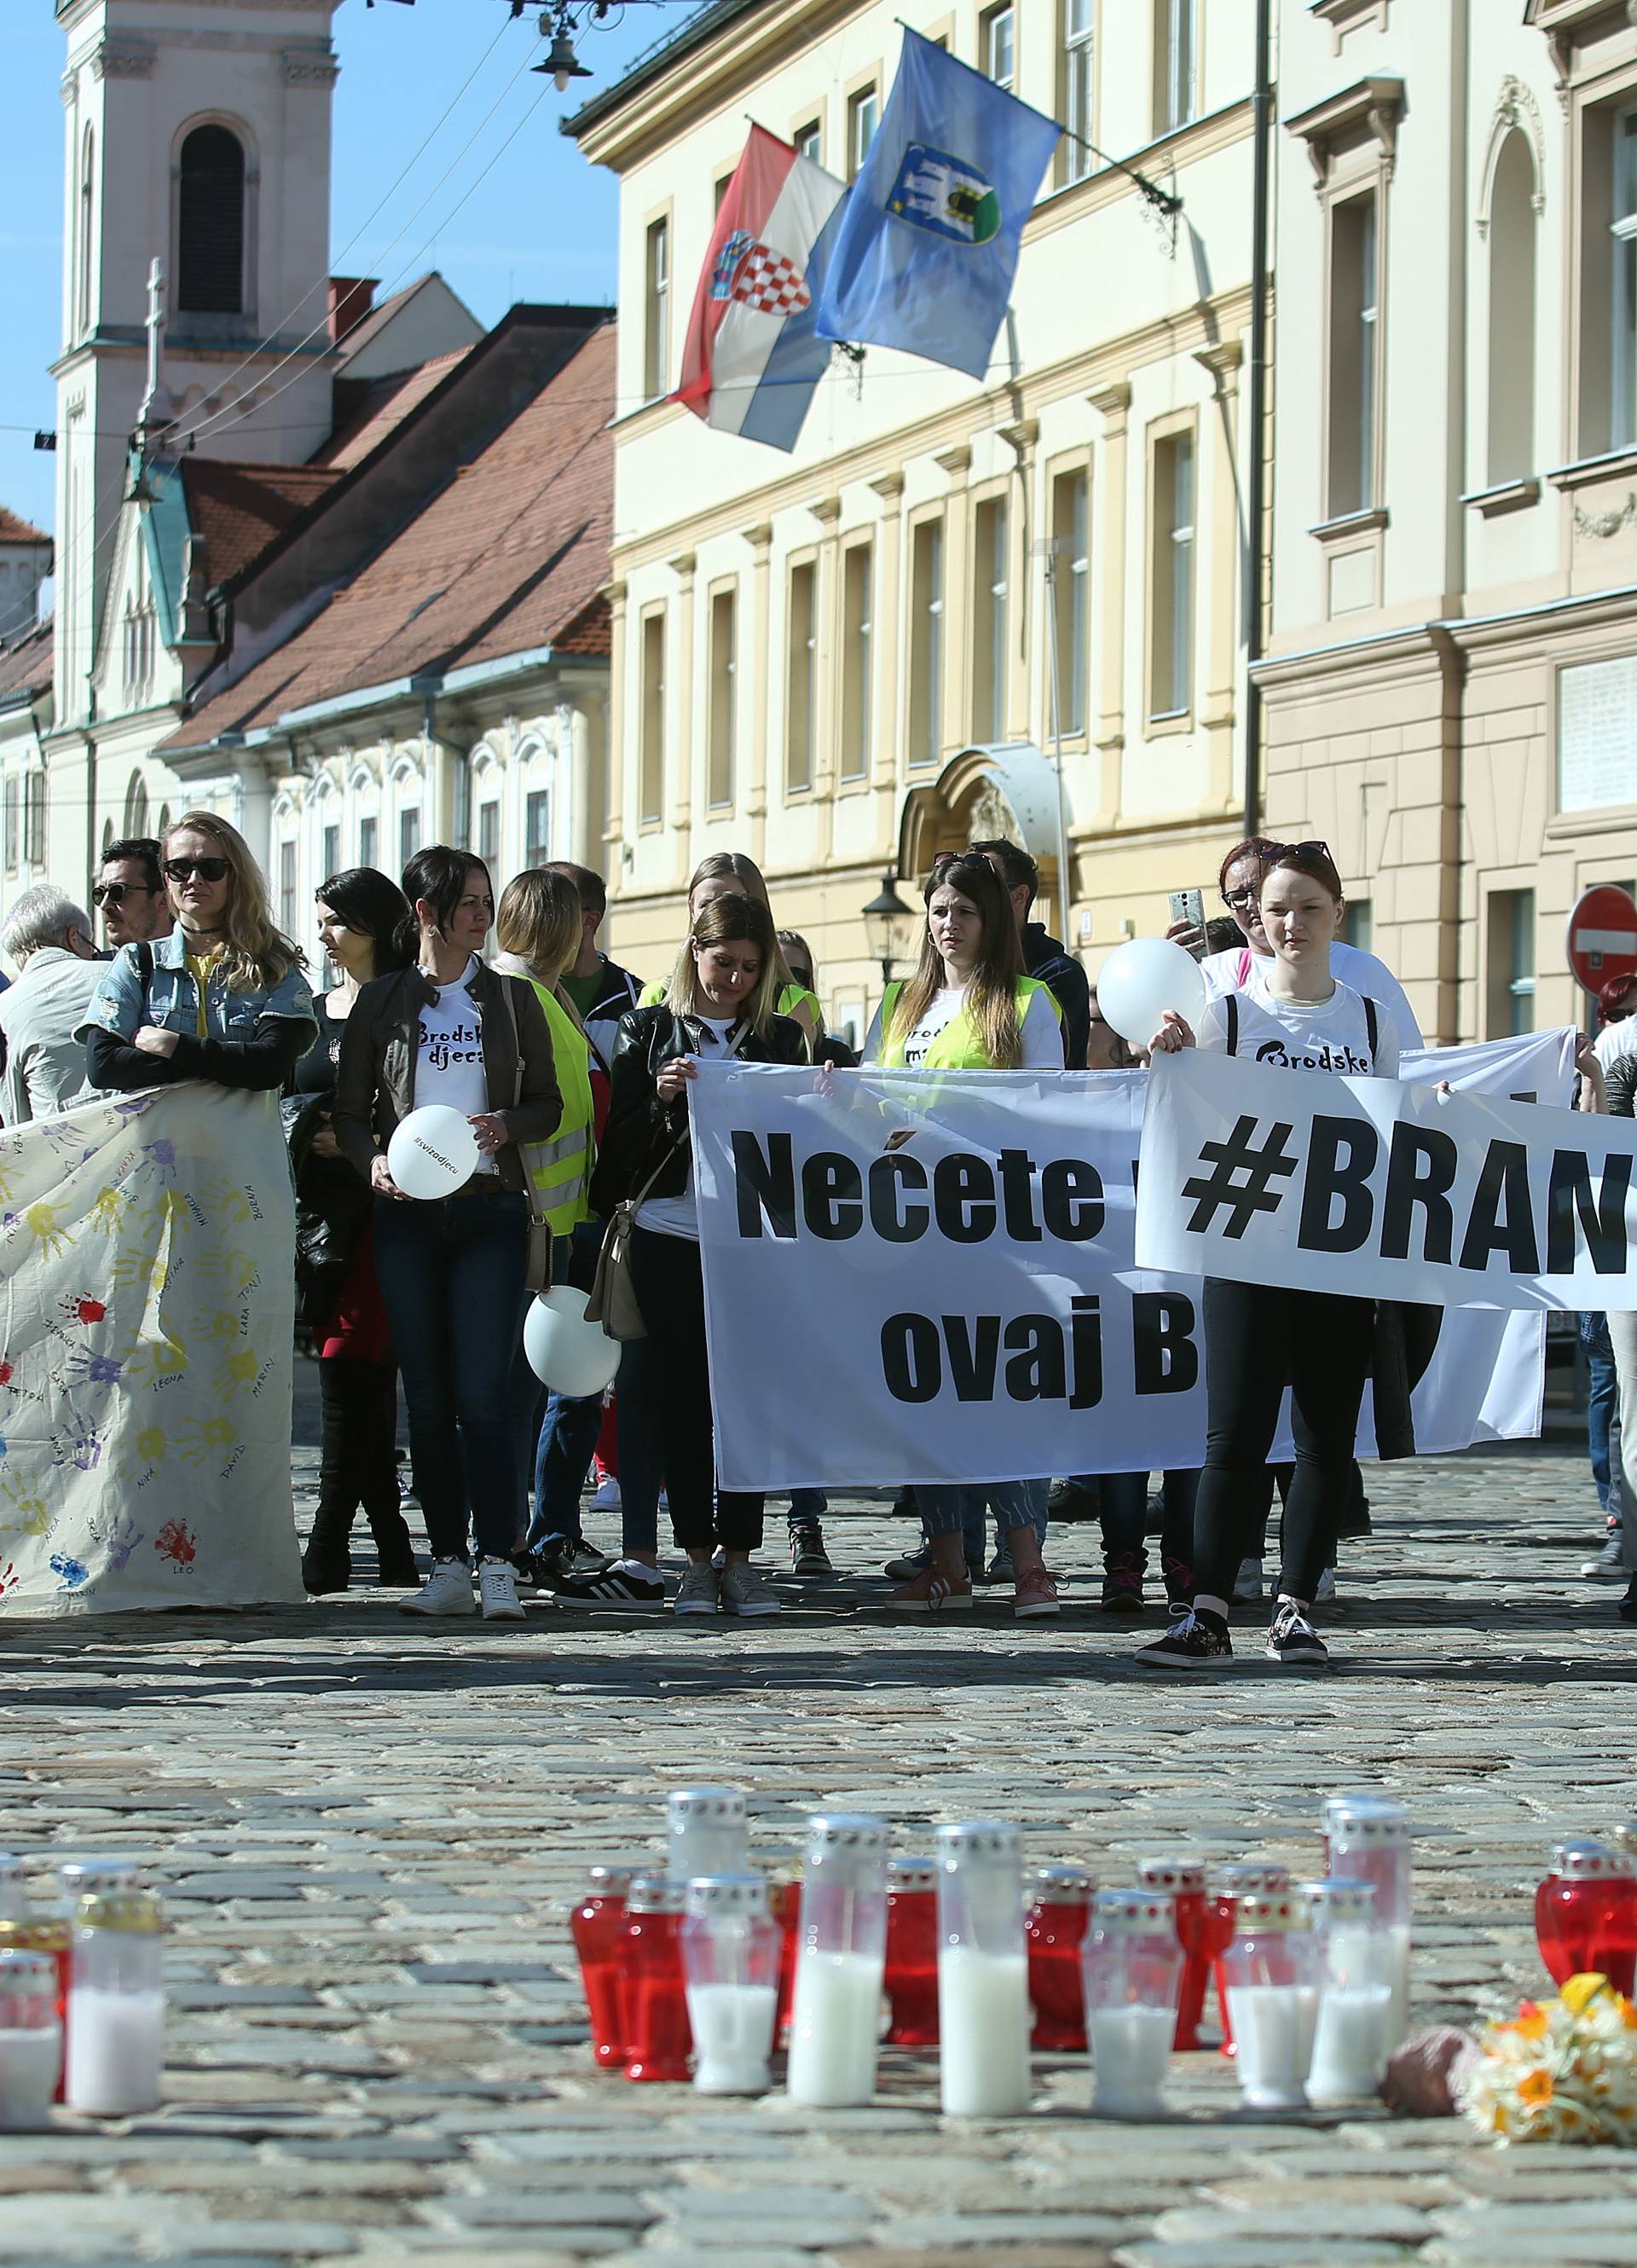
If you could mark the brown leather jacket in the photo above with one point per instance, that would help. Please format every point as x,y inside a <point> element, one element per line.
<point>380,1046</point>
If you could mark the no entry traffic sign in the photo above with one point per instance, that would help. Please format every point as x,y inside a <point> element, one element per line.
<point>1601,937</point>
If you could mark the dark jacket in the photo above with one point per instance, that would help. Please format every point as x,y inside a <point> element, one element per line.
<point>380,1046</point>
<point>642,1130</point>
<point>1045,959</point>
<point>1619,1086</point>
<point>332,1205</point>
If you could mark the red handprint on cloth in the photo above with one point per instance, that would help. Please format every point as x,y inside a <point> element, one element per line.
<point>177,1542</point>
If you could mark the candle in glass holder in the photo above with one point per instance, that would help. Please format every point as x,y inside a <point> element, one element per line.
<point>1272,1971</point>
<point>983,1972</point>
<point>835,2024</point>
<point>1132,1966</point>
<point>707,1831</point>
<point>1054,1930</point>
<point>115,2049</point>
<point>1355,1990</point>
<point>31,2041</point>
<point>784,1904</point>
<point>912,1977</point>
<point>35,1932</point>
<point>595,1925</point>
<point>653,1994</point>
<point>1241,1878</point>
<point>1182,1880</point>
<point>1368,1839</point>
<point>1586,1914</point>
<point>730,1957</point>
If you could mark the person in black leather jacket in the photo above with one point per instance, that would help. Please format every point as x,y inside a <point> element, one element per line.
<point>719,1003</point>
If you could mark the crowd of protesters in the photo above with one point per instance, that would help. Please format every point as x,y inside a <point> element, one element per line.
<point>575,1078</point>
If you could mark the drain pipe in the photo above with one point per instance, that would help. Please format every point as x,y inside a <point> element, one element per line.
<point>1255,487</point>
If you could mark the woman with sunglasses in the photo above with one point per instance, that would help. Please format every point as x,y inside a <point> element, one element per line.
<point>1261,1338</point>
<point>969,1007</point>
<point>222,997</point>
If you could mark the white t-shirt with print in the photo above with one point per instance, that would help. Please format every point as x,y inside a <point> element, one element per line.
<point>1040,1039</point>
<point>680,1216</point>
<point>1328,1035</point>
<point>450,1066</point>
<point>1349,964</point>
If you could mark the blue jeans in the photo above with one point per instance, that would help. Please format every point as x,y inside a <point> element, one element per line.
<point>1123,1500</point>
<point>566,1436</point>
<point>451,1273</point>
<point>807,1507</point>
<point>947,1509</point>
<point>1601,1401</point>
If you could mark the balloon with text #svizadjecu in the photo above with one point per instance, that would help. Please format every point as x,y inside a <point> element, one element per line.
<point>432,1152</point>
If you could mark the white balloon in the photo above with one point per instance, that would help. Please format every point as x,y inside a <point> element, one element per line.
<point>432,1152</point>
<point>1143,978</point>
<point>573,1357</point>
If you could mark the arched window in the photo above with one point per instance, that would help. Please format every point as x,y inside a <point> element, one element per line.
<point>107,836</point>
<point>87,227</point>
<point>135,806</point>
<point>210,223</point>
<point>1512,228</point>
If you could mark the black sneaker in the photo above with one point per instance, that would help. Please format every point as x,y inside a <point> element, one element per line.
<point>1179,1585</point>
<point>1121,1585</point>
<point>1067,1503</point>
<point>1189,1644</point>
<point>808,1554</point>
<point>1609,1566</point>
<point>1292,1637</point>
<point>622,1584</point>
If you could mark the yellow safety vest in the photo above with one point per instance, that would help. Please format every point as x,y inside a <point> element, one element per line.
<point>561,1168</point>
<point>959,1046</point>
<point>794,997</point>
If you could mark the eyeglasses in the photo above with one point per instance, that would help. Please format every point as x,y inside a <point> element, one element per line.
<point>208,870</point>
<point>1269,854</point>
<point>115,894</point>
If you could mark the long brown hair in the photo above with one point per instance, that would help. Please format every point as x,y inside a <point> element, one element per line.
<point>255,955</point>
<point>734,920</point>
<point>991,994</point>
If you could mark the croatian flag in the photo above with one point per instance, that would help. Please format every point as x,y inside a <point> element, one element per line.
<point>752,359</point>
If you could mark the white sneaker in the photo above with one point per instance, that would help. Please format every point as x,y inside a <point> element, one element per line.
<point>745,1593</point>
<point>448,1590</point>
<point>607,1498</point>
<point>497,1591</point>
<point>699,1591</point>
<point>1248,1581</point>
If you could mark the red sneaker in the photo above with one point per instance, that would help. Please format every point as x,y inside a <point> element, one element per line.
<point>931,1593</point>
<point>1035,1593</point>
<point>1121,1585</point>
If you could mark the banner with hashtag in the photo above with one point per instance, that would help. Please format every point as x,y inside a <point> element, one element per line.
<point>1384,1188</point>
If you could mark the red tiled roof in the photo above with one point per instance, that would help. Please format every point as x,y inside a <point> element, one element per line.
<point>510,555</point>
<point>13,530</point>
<point>239,508</point>
<point>365,329</point>
<point>388,405</point>
<point>26,664</point>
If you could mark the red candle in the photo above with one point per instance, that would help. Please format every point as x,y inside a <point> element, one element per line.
<point>653,1992</point>
<point>34,1932</point>
<point>1244,1879</point>
<point>1054,1928</point>
<point>595,1925</point>
<point>911,1976</point>
<point>1586,1914</point>
<point>784,1902</point>
<point>1198,1930</point>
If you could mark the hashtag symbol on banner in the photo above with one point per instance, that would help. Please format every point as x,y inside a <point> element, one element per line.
<point>1241,1178</point>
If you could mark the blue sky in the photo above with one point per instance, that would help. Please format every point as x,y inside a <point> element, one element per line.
<point>541,226</point>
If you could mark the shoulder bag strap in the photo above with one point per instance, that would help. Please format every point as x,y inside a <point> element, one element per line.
<point>1370,1026</point>
<point>1230,1001</point>
<point>144,965</point>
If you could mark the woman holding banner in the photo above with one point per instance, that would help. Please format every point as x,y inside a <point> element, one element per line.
<point>718,1004</point>
<point>1261,1338</point>
<point>969,1007</point>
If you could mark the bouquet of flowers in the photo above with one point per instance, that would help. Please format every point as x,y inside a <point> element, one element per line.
<point>1559,2071</point>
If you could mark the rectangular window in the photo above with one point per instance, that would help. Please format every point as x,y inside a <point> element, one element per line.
<point>1623,231</point>
<point>1511,944</point>
<point>1358,924</point>
<point>801,679</point>
<point>1071,592</point>
<point>810,142</point>
<point>489,833</point>
<point>1075,88</point>
<point>1354,346</point>
<point>863,117</point>
<point>988,619</point>
<point>997,44</point>
<point>35,819</point>
<point>12,838</point>
<point>722,188</point>
<point>537,828</point>
<point>408,835</point>
<point>369,842</point>
<point>657,306</point>
<point>650,755</point>
<point>723,696</point>
<point>857,658</point>
<point>332,851</point>
<point>1171,571</point>
<point>1173,64</point>
<point>286,886</point>
<point>926,646</point>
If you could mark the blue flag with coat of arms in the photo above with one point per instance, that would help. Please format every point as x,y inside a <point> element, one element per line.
<point>929,243</point>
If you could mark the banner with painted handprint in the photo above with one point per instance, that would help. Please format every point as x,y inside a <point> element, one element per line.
<point>145,1320</point>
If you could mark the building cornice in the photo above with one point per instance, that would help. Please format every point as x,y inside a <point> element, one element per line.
<point>1370,105</point>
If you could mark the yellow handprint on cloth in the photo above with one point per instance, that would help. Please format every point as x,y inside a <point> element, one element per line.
<point>236,1370</point>
<point>108,1210</point>
<point>163,1358</point>
<point>230,1199</point>
<point>150,1443</point>
<point>202,1437</point>
<point>41,1221</point>
<point>131,1268</point>
<point>27,1515</point>
<point>225,1326</point>
<point>235,1268</point>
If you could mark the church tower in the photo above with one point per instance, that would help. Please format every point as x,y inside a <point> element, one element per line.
<point>197,133</point>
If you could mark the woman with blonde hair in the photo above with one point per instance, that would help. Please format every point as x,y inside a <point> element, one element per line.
<point>720,1003</point>
<point>222,997</point>
<point>729,873</point>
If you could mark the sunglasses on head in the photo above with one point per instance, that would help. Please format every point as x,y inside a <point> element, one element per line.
<point>208,870</point>
<point>115,894</point>
<point>1269,855</point>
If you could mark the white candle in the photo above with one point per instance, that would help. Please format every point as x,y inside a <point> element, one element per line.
<point>732,2036</point>
<point>1274,2027</point>
<point>1398,1975</point>
<point>983,2025</point>
<point>1349,2043</point>
<point>1130,2048</point>
<point>834,2023</point>
<point>30,2062</point>
<point>115,2051</point>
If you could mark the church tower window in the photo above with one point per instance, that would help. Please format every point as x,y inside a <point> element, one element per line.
<point>210,223</point>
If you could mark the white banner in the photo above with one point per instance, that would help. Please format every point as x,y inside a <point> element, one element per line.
<point>914,1276</point>
<point>146,1249</point>
<point>1383,1189</point>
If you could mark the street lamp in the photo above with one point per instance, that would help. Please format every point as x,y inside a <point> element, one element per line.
<point>882,915</point>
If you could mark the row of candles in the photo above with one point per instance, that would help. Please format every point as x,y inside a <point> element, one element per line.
<point>82,1994</point>
<point>708,1964</point>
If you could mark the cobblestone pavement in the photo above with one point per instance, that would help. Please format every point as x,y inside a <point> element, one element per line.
<point>370,1831</point>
